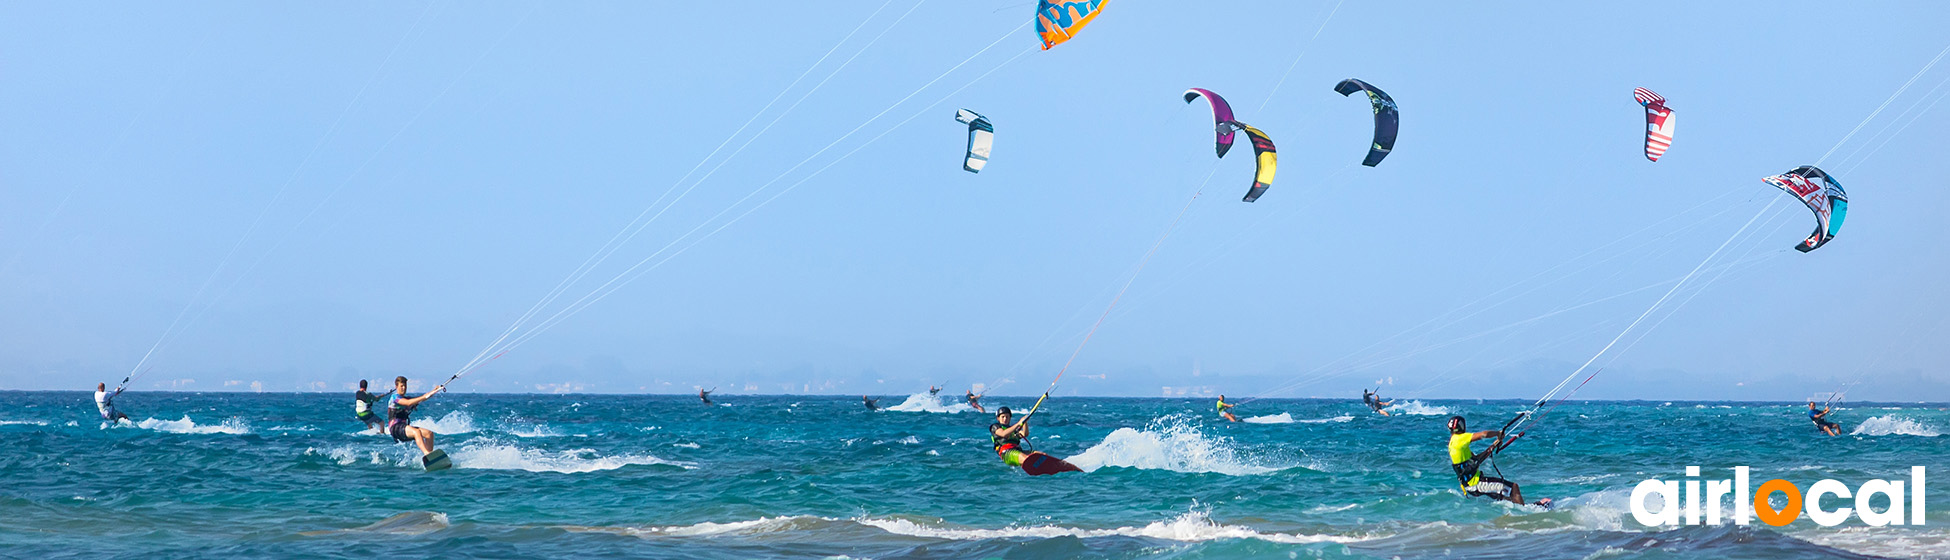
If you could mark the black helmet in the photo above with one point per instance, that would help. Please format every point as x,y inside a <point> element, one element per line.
<point>1455,424</point>
<point>1002,411</point>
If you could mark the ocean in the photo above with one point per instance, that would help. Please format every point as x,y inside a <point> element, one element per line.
<point>247,475</point>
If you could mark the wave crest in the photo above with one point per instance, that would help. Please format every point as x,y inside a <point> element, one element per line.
<point>1194,526</point>
<point>231,425</point>
<point>924,402</point>
<point>1894,426</point>
<point>1172,443</point>
<point>456,422</point>
<point>1419,409</point>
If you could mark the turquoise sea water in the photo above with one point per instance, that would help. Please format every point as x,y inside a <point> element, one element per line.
<point>598,476</point>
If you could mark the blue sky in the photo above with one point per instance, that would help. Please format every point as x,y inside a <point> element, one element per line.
<point>420,174</point>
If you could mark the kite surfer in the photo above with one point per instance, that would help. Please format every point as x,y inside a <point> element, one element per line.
<point>1223,413</point>
<point>1468,465</point>
<point>872,404</point>
<point>933,391</point>
<point>1820,418</point>
<point>975,401</point>
<point>1008,440</point>
<point>705,396</point>
<point>1007,437</point>
<point>105,402</point>
<point>1374,401</point>
<point>399,414</point>
<point>362,406</point>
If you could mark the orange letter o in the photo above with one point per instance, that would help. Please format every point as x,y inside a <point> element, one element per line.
<point>1783,516</point>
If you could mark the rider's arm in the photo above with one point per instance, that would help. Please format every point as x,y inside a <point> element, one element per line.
<point>415,401</point>
<point>1485,434</point>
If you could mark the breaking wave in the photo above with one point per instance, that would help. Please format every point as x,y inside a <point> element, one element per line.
<point>1193,526</point>
<point>1419,409</point>
<point>1894,426</point>
<point>456,422</point>
<point>186,426</point>
<point>924,402</point>
<point>1171,443</point>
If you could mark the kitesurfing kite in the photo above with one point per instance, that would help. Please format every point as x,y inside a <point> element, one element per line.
<point>1659,121</point>
<point>1823,195</point>
<point>1059,20</point>
<point>1221,117</point>
<point>1266,157</point>
<point>981,138</point>
<point>1386,118</point>
<point>1225,126</point>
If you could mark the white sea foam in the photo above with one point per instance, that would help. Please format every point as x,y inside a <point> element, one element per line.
<point>924,402</point>
<point>1586,479</point>
<point>1323,508</point>
<point>1190,527</point>
<point>186,426</point>
<point>1341,418</point>
<point>1894,426</point>
<point>1604,510</point>
<point>1281,418</point>
<point>535,431</point>
<point>22,423</point>
<point>374,454</point>
<point>1171,443</point>
<point>909,440</point>
<point>456,422</point>
<point>1194,526</point>
<point>708,529</point>
<point>496,456</point>
<point>1419,409</point>
<point>686,445</point>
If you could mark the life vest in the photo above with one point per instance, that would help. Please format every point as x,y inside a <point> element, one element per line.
<point>362,403</point>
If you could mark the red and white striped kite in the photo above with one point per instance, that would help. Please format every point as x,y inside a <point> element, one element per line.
<point>1659,121</point>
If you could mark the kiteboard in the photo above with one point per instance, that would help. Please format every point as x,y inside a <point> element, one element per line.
<point>437,461</point>
<point>1037,463</point>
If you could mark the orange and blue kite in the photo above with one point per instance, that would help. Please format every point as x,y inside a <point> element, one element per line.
<point>1059,20</point>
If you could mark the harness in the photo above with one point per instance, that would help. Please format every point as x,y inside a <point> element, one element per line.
<point>1003,445</point>
<point>396,414</point>
<point>1469,469</point>
<point>362,403</point>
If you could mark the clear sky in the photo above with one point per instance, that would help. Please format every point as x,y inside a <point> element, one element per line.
<point>382,187</point>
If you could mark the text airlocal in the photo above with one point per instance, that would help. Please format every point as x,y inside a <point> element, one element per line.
<point>1688,511</point>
